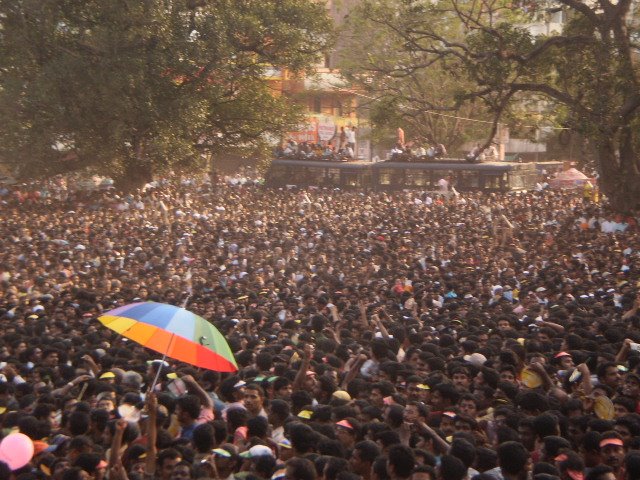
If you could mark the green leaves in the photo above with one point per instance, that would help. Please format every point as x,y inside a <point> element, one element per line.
<point>131,82</point>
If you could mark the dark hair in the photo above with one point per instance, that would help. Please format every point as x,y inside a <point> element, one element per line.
<point>379,467</point>
<point>300,469</point>
<point>545,425</point>
<point>448,392</point>
<point>303,439</point>
<point>464,451</point>
<point>627,403</point>
<point>597,472</point>
<point>168,453</point>
<point>334,466</point>
<point>387,438</point>
<point>257,427</point>
<point>264,466</point>
<point>553,445</point>
<point>367,450</point>
<point>401,458</point>
<point>190,404</point>
<point>279,408</point>
<point>601,371</point>
<point>512,457</point>
<point>79,423</point>
<point>452,468</point>
<point>395,416</point>
<point>486,459</point>
<point>632,465</point>
<point>203,437</point>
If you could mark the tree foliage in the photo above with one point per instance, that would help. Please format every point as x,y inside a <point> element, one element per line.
<point>488,55</point>
<point>132,87</point>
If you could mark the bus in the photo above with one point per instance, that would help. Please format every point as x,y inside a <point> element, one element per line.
<point>490,176</point>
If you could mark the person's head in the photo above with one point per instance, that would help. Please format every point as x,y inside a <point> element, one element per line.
<point>545,425</point>
<point>468,405</point>
<point>400,462</point>
<point>570,465</point>
<point>443,396</point>
<point>623,406</point>
<point>203,438</point>
<point>526,433</point>
<point>415,412</point>
<point>181,471</point>
<point>451,468</point>
<point>552,446</point>
<point>187,409</point>
<point>627,427</point>
<point>464,451</point>
<point>513,459</point>
<point>423,472</point>
<point>167,461</point>
<point>631,386</point>
<point>303,439</point>
<point>253,398</point>
<point>632,465</point>
<point>347,431</point>
<point>282,388</point>
<point>379,469</point>
<point>601,472</point>
<point>612,449</point>
<point>362,456</point>
<point>333,467</point>
<point>299,468</point>
<point>609,374</point>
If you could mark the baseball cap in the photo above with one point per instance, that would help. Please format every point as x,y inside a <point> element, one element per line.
<point>611,441</point>
<point>344,424</point>
<point>475,359</point>
<point>257,451</point>
<point>341,395</point>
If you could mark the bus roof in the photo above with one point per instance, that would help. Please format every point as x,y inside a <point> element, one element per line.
<point>358,164</point>
<point>489,166</point>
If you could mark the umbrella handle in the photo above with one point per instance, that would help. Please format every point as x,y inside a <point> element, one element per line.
<point>164,357</point>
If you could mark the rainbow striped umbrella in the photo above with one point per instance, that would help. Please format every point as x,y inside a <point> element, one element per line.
<point>173,331</point>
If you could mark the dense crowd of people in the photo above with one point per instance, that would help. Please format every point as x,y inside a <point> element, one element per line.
<point>379,336</point>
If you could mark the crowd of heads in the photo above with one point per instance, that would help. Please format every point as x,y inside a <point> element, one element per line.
<point>378,336</point>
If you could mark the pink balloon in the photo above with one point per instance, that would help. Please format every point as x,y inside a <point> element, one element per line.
<point>16,450</point>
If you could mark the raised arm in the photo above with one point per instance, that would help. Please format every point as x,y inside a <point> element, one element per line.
<point>152,435</point>
<point>116,442</point>
<point>196,389</point>
<point>304,367</point>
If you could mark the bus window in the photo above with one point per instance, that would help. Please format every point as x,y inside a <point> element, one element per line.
<point>350,179</point>
<point>492,182</point>
<point>416,178</point>
<point>516,180</point>
<point>468,180</point>
<point>436,176</point>
<point>384,177</point>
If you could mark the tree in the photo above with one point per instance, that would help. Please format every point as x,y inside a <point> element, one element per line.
<point>136,87</point>
<point>588,72</point>
<point>398,90</point>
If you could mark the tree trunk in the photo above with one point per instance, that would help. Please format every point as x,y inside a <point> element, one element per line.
<point>619,178</point>
<point>135,176</point>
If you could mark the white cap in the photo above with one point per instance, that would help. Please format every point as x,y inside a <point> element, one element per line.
<point>475,359</point>
<point>257,451</point>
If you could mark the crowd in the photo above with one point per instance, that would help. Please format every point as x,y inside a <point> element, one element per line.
<point>378,336</point>
<point>341,147</point>
<point>417,152</point>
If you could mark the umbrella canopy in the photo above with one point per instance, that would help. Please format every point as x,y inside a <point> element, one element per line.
<point>174,332</point>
